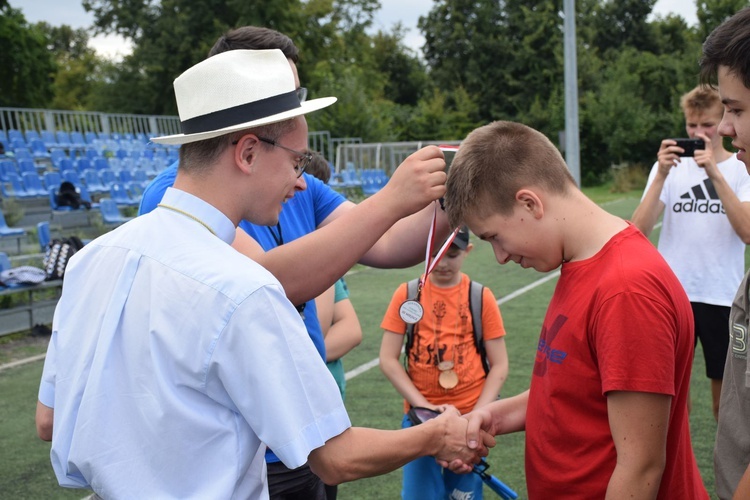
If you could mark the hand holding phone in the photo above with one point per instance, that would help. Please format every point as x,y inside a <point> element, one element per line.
<point>689,146</point>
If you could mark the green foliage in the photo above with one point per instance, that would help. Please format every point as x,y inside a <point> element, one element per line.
<point>25,80</point>
<point>483,60</point>
<point>12,211</point>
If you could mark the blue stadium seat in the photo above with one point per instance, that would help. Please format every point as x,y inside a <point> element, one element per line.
<point>111,212</point>
<point>51,179</point>
<point>38,149</point>
<point>8,167</point>
<point>6,230</point>
<point>107,177</point>
<point>101,163</point>
<point>10,232</point>
<point>63,139</point>
<point>125,176</point>
<point>23,154</point>
<point>31,135</point>
<point>83,164</point>
<point>93,181</point>
<point>53,202</point>
<point>17,135</point>
<point>91,137</point>
<point>141,177</point>
<point>50,141</point>
<point>13,187</point>
<point>66,164</point>
<point>120,194</point>
<point>33,184</point>
<point>55,156</point>
<point>77,140</point>
<point>26,166</point>
<point>71,176</point>
<point>43,235</point>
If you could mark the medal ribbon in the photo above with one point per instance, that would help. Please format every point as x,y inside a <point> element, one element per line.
<point>429,261</point>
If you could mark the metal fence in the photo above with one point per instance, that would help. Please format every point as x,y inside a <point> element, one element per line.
<point>384,156</point>
<point>24,119</point>
<point>346,152</point>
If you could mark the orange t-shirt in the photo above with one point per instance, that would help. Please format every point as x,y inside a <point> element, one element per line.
<point>446,333</point>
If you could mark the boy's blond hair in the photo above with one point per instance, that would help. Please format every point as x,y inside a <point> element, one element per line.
<point>497,160</point>
<point>700,100</point>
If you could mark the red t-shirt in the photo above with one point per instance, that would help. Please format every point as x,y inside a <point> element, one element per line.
<point>619,321</point>
<point>446,332</point>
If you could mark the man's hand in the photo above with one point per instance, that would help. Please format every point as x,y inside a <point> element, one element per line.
<point>479,428</point>
<point>454,448</point>
<point>419,180</point>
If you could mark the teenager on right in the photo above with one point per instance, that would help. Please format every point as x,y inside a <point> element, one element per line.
<point>445,366</point>
<point>726,55</point>
<point>705,200</point>
<point>606,413</point>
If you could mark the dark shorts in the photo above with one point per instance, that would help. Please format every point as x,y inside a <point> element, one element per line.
<point>712,328</point>
<point>294,484</point>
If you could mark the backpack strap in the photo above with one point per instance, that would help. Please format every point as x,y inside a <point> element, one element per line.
<point>411,291</point>
<point>476,291</point>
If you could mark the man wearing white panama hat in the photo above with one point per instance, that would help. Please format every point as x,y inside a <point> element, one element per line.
<point>156,380</point>
<point>291,250</point>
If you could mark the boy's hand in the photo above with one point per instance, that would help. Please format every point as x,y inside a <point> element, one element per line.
<point>705,157</point>
<point>454,448</point>
<point>668,156</point>
<point>479,430</point>
<point>419,180</point>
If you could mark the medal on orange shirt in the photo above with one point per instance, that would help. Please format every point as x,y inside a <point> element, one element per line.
<point>447,379</point>
<point>411,311</point>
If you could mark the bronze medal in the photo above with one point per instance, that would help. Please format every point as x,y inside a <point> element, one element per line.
<point>448,379</point>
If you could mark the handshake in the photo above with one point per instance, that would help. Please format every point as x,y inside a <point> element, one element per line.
<point>458,450</point>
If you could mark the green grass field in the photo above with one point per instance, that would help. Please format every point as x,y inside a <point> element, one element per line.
<point>371,400</point>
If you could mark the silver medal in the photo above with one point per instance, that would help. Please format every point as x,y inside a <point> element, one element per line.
<point>411,311</point>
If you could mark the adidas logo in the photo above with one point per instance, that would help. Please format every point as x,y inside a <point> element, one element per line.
<point>701,199</point>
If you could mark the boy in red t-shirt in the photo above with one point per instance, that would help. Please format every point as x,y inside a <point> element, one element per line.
<point>444,364</point>
<point>606,413</point>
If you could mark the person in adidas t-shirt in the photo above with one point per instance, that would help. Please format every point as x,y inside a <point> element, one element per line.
<point>726,58</point>
<point>705,200</point>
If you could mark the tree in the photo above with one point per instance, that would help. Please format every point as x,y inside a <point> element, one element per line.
<point>623,23</point>
<point>405,77</point>
<point>711,13</point>
<point>172,35</point>
<point>27,66</point>
<point>77,66</point>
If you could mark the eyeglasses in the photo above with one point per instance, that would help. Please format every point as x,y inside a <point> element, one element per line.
<point>301,94</point>
<point>303,159</point>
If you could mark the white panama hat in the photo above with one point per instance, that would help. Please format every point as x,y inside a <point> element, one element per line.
<point>236,90</point>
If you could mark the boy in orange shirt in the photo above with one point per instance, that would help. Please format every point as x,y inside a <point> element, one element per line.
<point>444,364</point>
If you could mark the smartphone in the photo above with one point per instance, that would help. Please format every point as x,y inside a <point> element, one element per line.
<point>690,145</point>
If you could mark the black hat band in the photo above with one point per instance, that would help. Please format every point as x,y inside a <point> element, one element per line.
<point>243,113</point>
